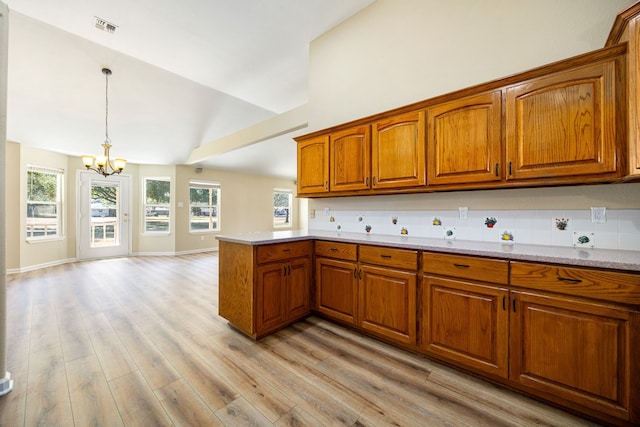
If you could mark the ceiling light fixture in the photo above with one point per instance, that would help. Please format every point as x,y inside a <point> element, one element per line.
<point>102,164</point>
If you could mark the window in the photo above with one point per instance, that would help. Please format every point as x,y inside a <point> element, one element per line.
<point>44,203</point>
<point>157,203</point>
<point>204,206</point>
<point>282,199</point>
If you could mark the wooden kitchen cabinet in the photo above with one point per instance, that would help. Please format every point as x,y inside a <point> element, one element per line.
<point>576,351</point>
<point>465,312</point>
<point>575,336</point>
<point>564,124</point>
<point>464,140</point>
<point>264,288</point>
<point>282,294</point>
<point>387,292</point>
<point>398,151</point>
<point>350,159</point>
<point>313,165</point>
<point>337,281</point>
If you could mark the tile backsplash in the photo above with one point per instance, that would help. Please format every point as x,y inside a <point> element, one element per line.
<point>538,227</point>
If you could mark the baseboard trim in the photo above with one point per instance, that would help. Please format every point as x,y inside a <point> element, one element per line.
<point>69,260</point>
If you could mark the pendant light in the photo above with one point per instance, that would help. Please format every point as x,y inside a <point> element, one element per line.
<point>102,164</point>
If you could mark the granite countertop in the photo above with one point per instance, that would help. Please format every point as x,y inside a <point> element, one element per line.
<point>600,258</point>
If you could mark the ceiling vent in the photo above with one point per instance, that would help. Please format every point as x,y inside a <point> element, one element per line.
<point>104,25</point>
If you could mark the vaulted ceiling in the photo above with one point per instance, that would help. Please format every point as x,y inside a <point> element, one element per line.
<point>186,74</point>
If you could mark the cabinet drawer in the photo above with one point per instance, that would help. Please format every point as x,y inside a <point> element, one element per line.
<point>345,251</point>
<point>398,258</point>
<point>585,282</point>
<point>283,251</point>
<point>466,267</point>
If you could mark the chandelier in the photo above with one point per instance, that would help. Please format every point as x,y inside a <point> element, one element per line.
<point>102,164</point>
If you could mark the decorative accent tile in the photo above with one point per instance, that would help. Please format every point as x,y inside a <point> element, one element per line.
<point>507,236</point>
<point>583,240</point>
<point>562,223</point>
<point>490,221</point>
<point>450,233</point>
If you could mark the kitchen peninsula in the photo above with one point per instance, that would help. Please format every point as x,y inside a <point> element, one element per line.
<point>558,323</point>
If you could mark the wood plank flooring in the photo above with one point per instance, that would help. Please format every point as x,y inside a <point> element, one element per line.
<point>137,342</point>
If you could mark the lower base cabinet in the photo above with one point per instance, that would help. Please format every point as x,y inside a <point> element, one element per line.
<point>467,323</point>
<point>337,289</point>
<point>283,292</point>
<point>264,288</point>
<point>575,350</point>
<point>569,335</point>
<point>388,303</point>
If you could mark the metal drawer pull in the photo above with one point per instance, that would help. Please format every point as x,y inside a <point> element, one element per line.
<point>504,302</point>
<point>333,250</point>
<point>567,279</point>
<point>461,265</point>
<point>286,250</point>
<point>385,256</point>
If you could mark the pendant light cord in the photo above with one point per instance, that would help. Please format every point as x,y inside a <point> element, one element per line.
<point>106,107</point>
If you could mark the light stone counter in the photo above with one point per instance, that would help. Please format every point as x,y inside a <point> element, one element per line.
<point>600,258</point>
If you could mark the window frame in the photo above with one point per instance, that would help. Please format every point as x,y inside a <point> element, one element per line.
<point>58,203</point>
<point>154,206</point>
<point>288,192</point>
<point>211,186</point>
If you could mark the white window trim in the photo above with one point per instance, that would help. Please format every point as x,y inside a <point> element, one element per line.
<point>59,203</point>
<point>144,205</point>
<point>206,184</point>
<point>290,224</point>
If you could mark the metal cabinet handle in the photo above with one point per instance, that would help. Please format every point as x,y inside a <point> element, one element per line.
<point>385,256</point>
<point>461,265</point>
<point>497,169</point>
<point>334,249</point>
<point>504,302</point>
<point>514,304</point>
<point>510,173</point>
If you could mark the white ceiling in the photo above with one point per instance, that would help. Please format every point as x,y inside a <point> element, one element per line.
<point>185,74</point>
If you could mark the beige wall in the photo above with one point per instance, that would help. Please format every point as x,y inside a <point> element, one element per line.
<point>247,202</point>
<point>396,52</point>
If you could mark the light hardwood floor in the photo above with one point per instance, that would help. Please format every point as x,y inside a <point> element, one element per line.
<point>137,342</point>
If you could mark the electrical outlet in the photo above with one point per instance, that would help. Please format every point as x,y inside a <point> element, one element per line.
<point>599,215</point>
<point>327,211</point>
<point>312,213</point>
<point>464,212</point>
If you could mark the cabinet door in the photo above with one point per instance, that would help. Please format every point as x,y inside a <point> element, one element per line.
<point>467,323</point>
<point>336,289</point>
<point>350,163</point>
<point>576,351</point>
<point>387,303</point>
<point>270,305</point>
<point>398,151</point>
<point>563,124</point>
<point>313,165</point>
<point>297,290</point>
<point>464,140</point>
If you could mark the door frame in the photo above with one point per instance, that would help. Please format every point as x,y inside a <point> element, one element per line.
<point>124,180</point>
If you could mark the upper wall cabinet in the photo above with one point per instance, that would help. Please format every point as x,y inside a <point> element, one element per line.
<point>464,140</point>
<point>626,29</point>
<point>313,165</point>
<point>350,164</point>
<point>571,122</point>
<point>563,124</point>
<point>397,151</point>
